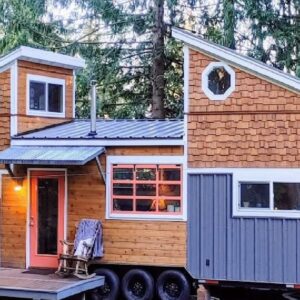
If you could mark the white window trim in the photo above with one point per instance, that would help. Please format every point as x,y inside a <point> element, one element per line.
<point>110,160</point>
<point>263,176</point>
<point>205,74</point>
<point>45,79</point>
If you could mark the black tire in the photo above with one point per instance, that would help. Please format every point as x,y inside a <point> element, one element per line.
<point>138,284</point>
<point>172,285</point>
<point>110,290</point>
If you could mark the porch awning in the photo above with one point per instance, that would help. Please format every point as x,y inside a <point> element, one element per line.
<point>34,155</point>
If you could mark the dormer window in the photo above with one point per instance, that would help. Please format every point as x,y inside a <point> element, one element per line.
<point>218,81</point>
<point>45,96</point>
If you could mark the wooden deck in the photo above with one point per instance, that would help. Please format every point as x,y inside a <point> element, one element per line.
<point>15,283</point>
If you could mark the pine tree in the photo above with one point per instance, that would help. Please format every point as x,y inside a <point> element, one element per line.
<point>21,24</point>
<point>141,76</point>
<point>158,61</point>
<point>129,49</point>
<point>275,32</point>
<point>229,23</point>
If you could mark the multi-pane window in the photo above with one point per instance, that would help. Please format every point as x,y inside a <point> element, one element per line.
<point>45,95</point>
<point>270,195</point>
<point>146,189</point>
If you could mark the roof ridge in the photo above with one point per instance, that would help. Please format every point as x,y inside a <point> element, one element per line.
<point>246,63</point>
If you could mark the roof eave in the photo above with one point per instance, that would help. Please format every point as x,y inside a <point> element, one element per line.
<point>44,57</point>
<point>98,142</point>
<point>240,61</point>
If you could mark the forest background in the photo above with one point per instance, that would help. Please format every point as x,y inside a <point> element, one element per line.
<point>129,50</point>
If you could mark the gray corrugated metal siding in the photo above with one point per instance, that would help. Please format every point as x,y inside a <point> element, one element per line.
<point>221,247</point>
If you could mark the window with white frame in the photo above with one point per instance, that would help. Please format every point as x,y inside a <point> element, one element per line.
<point>145,190</point>
<point>266,192</point>
<point>218,81</point>
<point>272,195</point>
<point>45,96</point>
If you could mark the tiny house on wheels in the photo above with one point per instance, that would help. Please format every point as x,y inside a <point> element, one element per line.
<point>213,198</point>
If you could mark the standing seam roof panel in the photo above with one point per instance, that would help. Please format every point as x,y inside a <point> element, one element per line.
<point>112,129</point>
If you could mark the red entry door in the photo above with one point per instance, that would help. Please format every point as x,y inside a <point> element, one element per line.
<point>46,217</point>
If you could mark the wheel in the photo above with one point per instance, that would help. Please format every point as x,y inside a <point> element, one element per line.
<point>138,285</point>
<point>172,285</point>
<point>110,289</point>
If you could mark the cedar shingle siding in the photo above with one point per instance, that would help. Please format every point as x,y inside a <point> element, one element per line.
<point>4,109</point>
<point>256,126</point>
<point>26,123</point>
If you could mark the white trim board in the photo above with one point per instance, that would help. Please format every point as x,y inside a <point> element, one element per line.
<point>42,56</point>
<point>240,61</point>
<point>74,94</point>
<point>95,142</point>
<point>186,79</point>
<point>186,74</point>
<point>167,160</point>
<point>256,175</point>
<point>14,98</point>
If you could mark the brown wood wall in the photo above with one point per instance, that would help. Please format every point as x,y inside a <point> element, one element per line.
<point>13,216</point>
<point>160,243</point>
<point>14,204</point>
<point>26,123</point>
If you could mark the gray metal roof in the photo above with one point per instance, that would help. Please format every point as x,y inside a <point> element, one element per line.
<point>49,155</point>
<point>112,129</point>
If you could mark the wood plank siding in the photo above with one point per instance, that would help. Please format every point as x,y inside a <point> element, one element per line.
<point>13,223</point>
<point>125,242</point>
<point>26,123</point>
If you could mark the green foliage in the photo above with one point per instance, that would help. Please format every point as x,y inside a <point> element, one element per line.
<point>21,24</point>
<point>229,23</point>
<point>275,32</point>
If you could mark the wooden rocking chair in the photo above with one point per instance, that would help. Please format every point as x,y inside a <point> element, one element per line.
<point>76,255</point>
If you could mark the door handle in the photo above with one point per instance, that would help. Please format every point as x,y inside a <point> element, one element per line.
<point>31,223</point>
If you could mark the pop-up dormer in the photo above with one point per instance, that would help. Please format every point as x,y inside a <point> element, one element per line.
<point>37,89</point>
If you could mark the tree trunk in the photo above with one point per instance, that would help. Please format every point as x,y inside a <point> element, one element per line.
<point>158,64</point>
<point>229,24</point>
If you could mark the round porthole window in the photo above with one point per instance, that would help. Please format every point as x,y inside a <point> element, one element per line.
<point>218,81</point>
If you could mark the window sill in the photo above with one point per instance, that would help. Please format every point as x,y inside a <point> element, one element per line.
<point>144,217</point>
<point>266,213</point>
<point>39,113</point>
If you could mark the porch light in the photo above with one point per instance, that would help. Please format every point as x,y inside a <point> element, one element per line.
<point>18,188</point>
<point>19,185</point>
